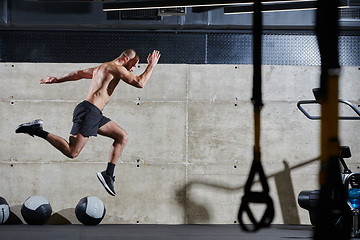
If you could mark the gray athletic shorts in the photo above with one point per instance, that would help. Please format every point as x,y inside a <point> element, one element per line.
<point>87,119</point>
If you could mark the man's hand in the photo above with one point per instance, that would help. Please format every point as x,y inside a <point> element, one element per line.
<point>48,80</point>
<point>153,58</point>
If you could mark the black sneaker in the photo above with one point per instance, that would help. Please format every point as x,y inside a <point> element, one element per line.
<point>29,127</point>
<point>107,181</point>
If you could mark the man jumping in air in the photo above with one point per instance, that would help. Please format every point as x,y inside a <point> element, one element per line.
<point>87,118</point>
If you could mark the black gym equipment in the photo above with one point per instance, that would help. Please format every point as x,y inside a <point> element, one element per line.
<point>346,218</point>
<point>309,200</point>
<point>316,92</point>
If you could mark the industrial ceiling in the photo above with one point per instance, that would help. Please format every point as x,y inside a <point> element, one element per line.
<point>87,14</point>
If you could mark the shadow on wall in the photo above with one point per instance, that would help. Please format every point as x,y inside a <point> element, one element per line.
<point>62,217</point>
<point>58,218</point>
<point>199,212</point>
<point>287,198</point>
<point>13,218</point>
<point>284,186</point>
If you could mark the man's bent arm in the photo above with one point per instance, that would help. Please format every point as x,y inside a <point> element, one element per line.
<point>71,76</point>
<point>140,81</point>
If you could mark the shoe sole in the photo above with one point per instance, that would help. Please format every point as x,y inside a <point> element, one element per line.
<point>102,180</point>
<point>38,121</point>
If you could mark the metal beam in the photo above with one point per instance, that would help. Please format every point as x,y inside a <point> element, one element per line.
<point>131,5</point>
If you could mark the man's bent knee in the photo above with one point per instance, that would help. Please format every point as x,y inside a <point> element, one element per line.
<point>125,138</point>
<point>122,139</point>
<point>72,154</point>
<point>77,142</point>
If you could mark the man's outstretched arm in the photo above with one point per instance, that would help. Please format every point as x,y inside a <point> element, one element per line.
<point>71,76</point>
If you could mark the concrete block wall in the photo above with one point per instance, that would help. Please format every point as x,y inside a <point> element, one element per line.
<point>190,142</point>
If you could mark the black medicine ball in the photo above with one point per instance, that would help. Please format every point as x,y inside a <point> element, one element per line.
<point>90,210</point>
<point>4,210</point>
<point>36,210</point>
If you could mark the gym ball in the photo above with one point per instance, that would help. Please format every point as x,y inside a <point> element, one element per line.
<point>36,210</point>
<point>4,210</point>
<point>90,210</point>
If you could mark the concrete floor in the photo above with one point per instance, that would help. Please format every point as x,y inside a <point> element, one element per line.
<point>151,232</point>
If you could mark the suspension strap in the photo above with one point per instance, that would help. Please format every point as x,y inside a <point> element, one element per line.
<point>250,196</point>
<point>332,193</point>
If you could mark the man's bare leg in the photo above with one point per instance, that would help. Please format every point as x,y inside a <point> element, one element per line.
<point>120,137</point>
<point>70,149</point>
<point>112,130</point>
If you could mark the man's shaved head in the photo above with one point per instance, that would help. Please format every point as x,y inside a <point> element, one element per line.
<point>129,53</point>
